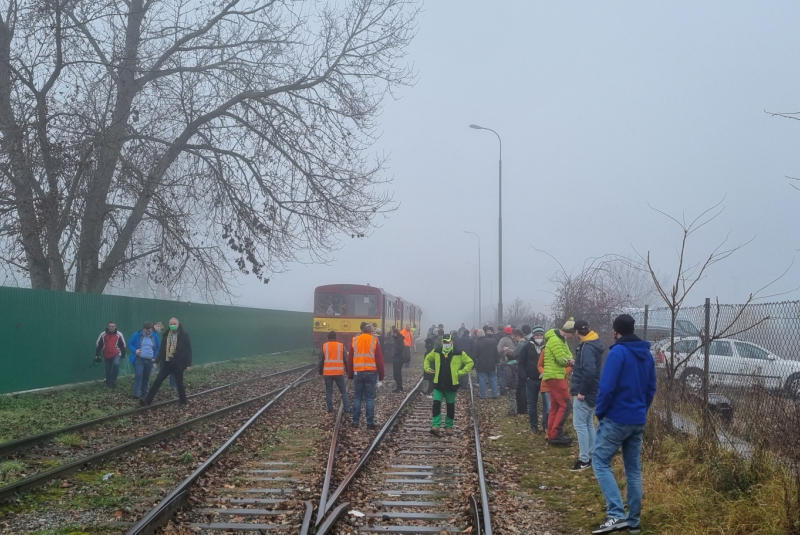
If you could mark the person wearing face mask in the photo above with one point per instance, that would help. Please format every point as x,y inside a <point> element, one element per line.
<point>111,346</point>
<point>447,365</point>
<point>174,357</point>
<point>528,364</point>
<point>158,327</point>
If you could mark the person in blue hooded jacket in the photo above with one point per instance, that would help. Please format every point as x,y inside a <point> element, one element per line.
<point>144,348</point>
<point>627,387</point>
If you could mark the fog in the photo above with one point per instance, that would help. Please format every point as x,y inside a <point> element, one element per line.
<point>603,107</point>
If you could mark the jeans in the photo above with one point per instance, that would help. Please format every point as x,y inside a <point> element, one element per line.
<point>397,369</point>
<point>532,390</point>
<point>169,367</point>
<point>611,437</point>
<point>340,384</point>
<point>173,382</point>
<point>364,384</point>
<point>501,376</point>
<point>450,399</point>
<point>492,377</point>
<point>112,371</point>
<point>583,420</point>
<point>142,368</point>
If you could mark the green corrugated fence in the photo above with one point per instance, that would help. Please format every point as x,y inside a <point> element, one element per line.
<point>48,338</point>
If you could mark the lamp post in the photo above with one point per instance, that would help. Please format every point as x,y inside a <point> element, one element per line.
<point>480,323</point>
<point>499,224</point>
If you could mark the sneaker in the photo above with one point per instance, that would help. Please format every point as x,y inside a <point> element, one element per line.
<point>611,525</point>
<point>535,431</point>
<point>636,531</point>
<point>428,396</point>
<point>142,402</point>
<point>580,466</point>
<point>330,411</point>
<point>448,431</point>
<point>372,426</point>
<point>435,432</point>
<point>355,426</point>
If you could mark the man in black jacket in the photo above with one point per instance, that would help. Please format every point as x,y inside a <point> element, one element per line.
<point>400,357</point>
<point>529,361</point>
<point>585,383</point>
<point>485,350</point>
<point>174,357</point>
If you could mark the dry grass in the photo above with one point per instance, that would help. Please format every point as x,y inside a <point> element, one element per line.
<point>695,490</point>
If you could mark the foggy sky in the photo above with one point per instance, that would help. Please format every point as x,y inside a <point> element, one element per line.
<point>602,107</point>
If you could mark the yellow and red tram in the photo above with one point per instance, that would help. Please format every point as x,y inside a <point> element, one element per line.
<point>342,308</point>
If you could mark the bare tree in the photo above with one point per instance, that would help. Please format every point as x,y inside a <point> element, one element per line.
<point>520,313</point>
<point>190,140</point>
<point>674,290</point>
<point>602,286</point>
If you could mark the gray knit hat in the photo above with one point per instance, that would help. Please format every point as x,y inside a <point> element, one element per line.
<point>537,329</point>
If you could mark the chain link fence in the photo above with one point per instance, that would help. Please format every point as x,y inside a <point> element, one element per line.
<point>730,375</point>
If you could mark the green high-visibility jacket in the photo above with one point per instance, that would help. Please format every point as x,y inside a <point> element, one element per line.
<point>460,364</point>
<point>555,354</point>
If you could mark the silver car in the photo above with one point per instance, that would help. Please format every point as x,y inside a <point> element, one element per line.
<point>731,363</point>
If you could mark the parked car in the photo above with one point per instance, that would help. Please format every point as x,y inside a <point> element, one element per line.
<point>731,363</point>
<point>657,332</point>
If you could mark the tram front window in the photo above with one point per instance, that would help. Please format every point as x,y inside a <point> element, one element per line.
<point>329,305</point>
<point>359,305</point>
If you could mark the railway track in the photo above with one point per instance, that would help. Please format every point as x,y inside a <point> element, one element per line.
<point>402,478</point>
<point>105,438</point>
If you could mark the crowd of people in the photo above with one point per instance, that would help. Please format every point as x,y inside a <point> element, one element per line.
<point>538,374</point>
<point>535,370</point>
<point>153,348</point>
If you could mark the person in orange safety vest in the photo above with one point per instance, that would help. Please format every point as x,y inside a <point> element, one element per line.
<point>332,367</point>
<point>365,367</point>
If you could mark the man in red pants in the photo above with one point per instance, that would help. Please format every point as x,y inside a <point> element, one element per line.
<point>557,358</point>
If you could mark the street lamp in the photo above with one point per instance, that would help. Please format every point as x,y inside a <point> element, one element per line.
<point>480,323</point>
<point>499,224</point>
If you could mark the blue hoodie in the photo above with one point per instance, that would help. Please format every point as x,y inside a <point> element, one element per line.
<point>627,383</point>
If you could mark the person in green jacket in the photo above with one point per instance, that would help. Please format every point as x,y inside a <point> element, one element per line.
<point>447,365</point>
<point>557,358</point>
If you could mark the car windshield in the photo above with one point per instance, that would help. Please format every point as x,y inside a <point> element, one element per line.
<point>362,305</point>
<point>329,304</point>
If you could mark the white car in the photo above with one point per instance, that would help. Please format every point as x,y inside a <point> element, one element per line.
<point>731,363</point>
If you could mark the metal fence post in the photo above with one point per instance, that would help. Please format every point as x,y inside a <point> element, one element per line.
<point>646,314</point>
<point>706,352</point>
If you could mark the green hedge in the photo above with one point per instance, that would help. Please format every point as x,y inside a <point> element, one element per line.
<point>48,338</point>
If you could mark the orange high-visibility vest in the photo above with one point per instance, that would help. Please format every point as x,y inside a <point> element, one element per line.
<point>334,358</point>
<point>364,353</point>
<point>408,338</point>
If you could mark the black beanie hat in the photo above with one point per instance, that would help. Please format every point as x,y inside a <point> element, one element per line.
<point>623,324</point>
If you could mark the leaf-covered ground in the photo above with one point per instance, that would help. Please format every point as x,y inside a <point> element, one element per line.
<point>37,412</point>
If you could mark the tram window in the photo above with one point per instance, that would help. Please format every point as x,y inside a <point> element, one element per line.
<point>362,305</point>
<point>329,305</point>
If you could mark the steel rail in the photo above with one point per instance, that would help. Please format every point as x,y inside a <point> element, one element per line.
<point>487,517</point>
<point>36,480</point>
<point>14,445</point>
<point>361,462</point>
<point>329,469</point>
<point>158,515</point>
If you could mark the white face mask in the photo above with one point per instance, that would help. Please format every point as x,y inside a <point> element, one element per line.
<point>447,347</point>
